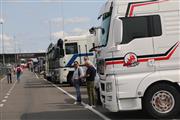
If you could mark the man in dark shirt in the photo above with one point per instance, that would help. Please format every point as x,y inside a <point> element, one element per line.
<point>90,77</point>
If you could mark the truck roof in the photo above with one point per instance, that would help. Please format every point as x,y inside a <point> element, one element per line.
<point>77,38</point>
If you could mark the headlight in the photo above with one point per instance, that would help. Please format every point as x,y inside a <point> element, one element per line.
<point>109,87</point>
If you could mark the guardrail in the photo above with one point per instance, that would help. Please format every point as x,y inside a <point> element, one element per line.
<point>3,70</point>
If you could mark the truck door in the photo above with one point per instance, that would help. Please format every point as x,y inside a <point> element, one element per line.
<point>134,60</point>
<point>137,47</point>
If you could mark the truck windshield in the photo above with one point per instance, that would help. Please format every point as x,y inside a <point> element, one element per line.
<point>71,48</point>
<point>106,19</point>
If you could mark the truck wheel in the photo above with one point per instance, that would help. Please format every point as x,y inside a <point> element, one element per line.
<point>162,101</point>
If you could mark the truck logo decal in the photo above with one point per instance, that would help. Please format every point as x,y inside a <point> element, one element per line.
<point>133,5</point>
<point>143,58</point>
<point>76,56</point>
<point>130,60</point>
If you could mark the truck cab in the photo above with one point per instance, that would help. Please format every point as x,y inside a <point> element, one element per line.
<point>138,58</point>
<point>75,48</point>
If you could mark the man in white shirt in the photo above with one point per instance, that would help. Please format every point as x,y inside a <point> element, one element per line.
<point>76,79</point>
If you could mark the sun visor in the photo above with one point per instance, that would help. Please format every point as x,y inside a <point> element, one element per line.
<point>105,8</point>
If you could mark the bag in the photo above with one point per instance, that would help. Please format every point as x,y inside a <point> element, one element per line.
<point>18,70</point>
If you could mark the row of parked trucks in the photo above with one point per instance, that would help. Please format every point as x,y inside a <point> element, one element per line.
<point>136,53</point>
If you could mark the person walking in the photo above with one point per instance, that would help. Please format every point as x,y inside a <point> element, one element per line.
<point>76,79</point>
<point>90,77</point>
<point>18,72</point>
<point>9,75</point>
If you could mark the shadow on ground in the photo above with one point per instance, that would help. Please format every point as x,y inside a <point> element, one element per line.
<point>61,115</point>
<point>37,84</point>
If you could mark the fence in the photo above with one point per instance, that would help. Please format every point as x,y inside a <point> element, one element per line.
<point>3,70</point>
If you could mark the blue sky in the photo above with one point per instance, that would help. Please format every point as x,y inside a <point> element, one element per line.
<point>28,22</point>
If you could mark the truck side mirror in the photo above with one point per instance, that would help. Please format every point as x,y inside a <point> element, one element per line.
<point>102,31</point>
<point>92,30</point>
<point>61,52</point>
<point>117,31</point>
<point>57,52</point>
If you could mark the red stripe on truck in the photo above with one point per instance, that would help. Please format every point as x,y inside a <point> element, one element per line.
<point>133,6</point>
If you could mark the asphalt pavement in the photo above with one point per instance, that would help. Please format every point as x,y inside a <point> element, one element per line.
<point>35,98</point>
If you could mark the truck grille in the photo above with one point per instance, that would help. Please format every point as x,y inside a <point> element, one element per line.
<point>101,65</point>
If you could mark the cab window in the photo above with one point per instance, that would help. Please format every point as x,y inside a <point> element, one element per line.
<point>71,48</point>
<point>141,27</point>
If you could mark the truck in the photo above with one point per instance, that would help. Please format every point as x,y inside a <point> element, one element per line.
<point>23,63</point>
<point>65,52</point>
<point>49,60</point>
<point>138,58</point>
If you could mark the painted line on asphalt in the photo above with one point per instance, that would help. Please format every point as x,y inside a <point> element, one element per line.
<point>1,105</point>
<point>84,104</point>
<point>8,93</point>
<point>36,76</point>
<point>4,100</point>
<point>6,97</point>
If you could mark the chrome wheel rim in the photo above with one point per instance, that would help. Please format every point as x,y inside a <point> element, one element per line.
<point>163,101</point>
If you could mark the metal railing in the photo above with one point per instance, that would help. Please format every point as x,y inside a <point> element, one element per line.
<point>3,70</point>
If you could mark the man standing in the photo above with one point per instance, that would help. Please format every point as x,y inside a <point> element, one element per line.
<point>9,75</point>
<point>76,79</point>
<point>90,77</point>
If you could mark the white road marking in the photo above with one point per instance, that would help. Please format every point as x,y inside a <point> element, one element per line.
<point>84,104</point>
<point>36,76</point>
<point>6,97</point>
<point>4,100</point>
<point>7,94</point>
<point>1,105</point>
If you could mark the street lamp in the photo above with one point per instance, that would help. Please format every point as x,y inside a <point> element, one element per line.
<point>50,30</point>
<point>2,39</point>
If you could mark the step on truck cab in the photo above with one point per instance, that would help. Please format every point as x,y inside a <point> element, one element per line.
<point>138,59</point>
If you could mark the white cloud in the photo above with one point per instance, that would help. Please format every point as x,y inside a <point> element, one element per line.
<point>74,32</point>
<point>60,34</point>
<point>79,31</point>
<point>8,43</point>
<point>74,20</point>
<point>41,51</point>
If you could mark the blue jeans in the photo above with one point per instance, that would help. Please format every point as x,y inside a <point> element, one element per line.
<point>18,76</point>
<point>78,92</point>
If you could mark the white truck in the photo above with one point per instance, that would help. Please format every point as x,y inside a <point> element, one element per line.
<point>138,59</point>
<point>66,52</point>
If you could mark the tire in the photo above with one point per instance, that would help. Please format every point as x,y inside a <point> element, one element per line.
<point>162,101</point>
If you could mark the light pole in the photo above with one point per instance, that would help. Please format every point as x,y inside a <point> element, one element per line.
<point>15,53</point>
<point>50,30</point>
<point>2,39</point>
